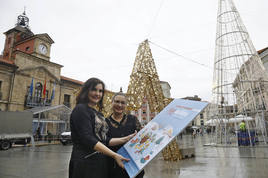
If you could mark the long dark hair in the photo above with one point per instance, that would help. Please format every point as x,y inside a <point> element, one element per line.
<point>89,85</point>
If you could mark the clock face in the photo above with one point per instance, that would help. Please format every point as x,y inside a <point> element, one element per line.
<point>42,49</point>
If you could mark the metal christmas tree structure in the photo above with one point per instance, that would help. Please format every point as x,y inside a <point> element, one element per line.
<point>145,83</point>
<point>239,79</point>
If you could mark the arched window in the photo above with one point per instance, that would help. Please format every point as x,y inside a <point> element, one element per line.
<point>38,92</point>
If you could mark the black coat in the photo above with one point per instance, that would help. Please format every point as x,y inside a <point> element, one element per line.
<point>87,128</point>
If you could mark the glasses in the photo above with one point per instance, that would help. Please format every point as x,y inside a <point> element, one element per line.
<point>119,102</point>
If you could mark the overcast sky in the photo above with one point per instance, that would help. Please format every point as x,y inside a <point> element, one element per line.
<point>100,38</point>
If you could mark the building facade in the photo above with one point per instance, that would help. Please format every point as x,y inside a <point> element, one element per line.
<point>166,89</point>
<point>263,53</point>
<point>252,93</point>
<point>28,77</point>
<point>203,117</point>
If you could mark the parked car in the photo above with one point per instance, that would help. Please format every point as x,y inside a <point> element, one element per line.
<point>65,138</point>
<point>7,143</point>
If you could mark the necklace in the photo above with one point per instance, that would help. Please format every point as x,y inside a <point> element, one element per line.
<point>118,119</point>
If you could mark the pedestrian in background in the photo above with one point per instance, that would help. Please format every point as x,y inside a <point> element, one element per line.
<point>194,133</point>
<point>38,134</point>
<point>201,131</point>
<point>49,136</point>
<point>242,126</point>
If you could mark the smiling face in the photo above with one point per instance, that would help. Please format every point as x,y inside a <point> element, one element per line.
<point>95,94</point>
<point>119,104</point>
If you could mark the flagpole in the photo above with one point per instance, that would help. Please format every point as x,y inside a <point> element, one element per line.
<point>44,91</point>
<point>30,93</point>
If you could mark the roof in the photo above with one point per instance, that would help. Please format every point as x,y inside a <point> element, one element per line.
<point>45,35</point>
<point>262,50</point>
<point>79,82</point>
<point>7,62</point>
<point>195,98</point>
<point>20,29</point>
<point>71,80</point>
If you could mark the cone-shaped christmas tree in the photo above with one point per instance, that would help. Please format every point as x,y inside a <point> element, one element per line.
<point>145,83</point>
<point>239,80</point>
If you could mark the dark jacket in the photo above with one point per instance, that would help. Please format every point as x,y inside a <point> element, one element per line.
<point>88,127</point>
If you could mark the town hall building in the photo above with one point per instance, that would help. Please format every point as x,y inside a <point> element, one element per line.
<point>28,77</point>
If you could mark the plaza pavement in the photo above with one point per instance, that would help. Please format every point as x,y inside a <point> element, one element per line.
<point>51,161</point>
<point>212,162</point>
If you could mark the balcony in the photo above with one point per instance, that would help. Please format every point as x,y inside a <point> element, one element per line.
<point>37,102</point>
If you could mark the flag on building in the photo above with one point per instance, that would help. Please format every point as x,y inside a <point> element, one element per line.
<point>53,91</point>
<point>31,89</point>
<point>30,92</point>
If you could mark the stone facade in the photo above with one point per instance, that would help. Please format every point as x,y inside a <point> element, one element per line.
<point>26,58</point>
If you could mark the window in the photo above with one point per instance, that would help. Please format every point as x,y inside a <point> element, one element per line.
<point>201,122</point>
<point>27,48</point>
<point>38,92</point>
<point>0,85</point>
<point>67,99</point>
<point>201,116</point>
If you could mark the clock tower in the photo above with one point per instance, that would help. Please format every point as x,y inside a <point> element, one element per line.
<point>30,79</point>
<point>22,39</point>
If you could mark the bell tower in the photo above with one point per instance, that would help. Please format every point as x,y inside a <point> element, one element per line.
<point>17,34</point>
<point>23,20</point>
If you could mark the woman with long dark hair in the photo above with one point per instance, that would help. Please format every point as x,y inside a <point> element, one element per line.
<point>120,124</point>
<point>89,134</point>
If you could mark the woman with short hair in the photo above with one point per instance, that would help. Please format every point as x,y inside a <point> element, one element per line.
<point>120,125</point>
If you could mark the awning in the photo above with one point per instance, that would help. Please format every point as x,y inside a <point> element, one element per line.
<point>239,118</point>
<point>236,119</point>
<point>213,122</point>
<point>59,108</point>
<point>61,112</point>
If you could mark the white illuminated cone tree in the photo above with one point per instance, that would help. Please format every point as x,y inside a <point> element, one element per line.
<point>239,79</point>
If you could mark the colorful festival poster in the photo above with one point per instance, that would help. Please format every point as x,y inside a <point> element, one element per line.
<point>158,133</point>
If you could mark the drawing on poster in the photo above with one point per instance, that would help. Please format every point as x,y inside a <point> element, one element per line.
<point>149,142</point>
<point>156,135</point>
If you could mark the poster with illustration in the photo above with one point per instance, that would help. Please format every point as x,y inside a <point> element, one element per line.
<point>158,133</point>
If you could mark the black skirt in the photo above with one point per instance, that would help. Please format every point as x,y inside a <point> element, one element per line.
<point>94,166</point>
